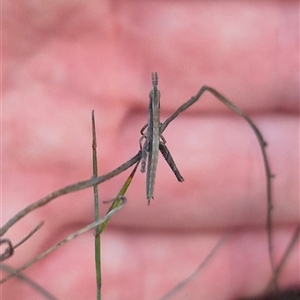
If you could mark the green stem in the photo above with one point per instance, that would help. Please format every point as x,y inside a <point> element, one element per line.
<point>96,213</point>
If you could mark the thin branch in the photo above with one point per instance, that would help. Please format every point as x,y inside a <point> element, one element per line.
<point>30,234</point>
<point>262,145</point>
<point>207,259</point>
<point>30,282</point>
<point>273,282</point>
<point>9,251</point>
<point>69,189</point>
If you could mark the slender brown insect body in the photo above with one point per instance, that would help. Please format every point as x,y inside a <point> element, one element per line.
<point>153,144</point>
<point>154,136</point>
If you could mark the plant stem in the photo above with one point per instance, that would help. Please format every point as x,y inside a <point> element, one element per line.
<point>96,213</point>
